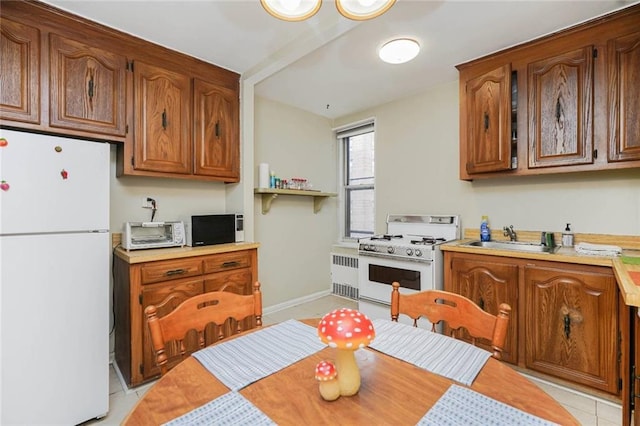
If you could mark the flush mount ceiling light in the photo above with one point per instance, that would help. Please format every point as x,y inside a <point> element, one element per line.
<point>399,51</point>
<point>299,10</point>
<point>292,10</point>
<point>361,10</point>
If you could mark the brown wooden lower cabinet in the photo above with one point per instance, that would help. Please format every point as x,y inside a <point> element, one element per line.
<point>565,321</point>
<point>166,283</point>
<point>571,327</point>
<point>489,285</point>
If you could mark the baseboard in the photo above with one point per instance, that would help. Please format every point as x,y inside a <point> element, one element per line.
<point>294,302</point>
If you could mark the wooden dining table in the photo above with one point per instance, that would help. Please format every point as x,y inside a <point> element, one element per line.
<point>392,392</point>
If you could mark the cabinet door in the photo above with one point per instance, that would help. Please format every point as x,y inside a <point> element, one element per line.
<point>163,120</point>
<point>87,87</point>
<point>19,72</point>
<point>489,121</point>
<point>488,284</point>
<point>166,297</point>
<point>217,142</point>
<point>236,281</point>
<point>623,101</point>
<point>571,327</point>
<point>560,115</point>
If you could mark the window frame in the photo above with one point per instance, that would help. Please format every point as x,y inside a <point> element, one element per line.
<point>342,136</point>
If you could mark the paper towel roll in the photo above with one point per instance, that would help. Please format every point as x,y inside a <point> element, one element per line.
<point>263,175</point>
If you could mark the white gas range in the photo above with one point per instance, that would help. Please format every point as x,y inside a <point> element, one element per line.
<point>408,253</point>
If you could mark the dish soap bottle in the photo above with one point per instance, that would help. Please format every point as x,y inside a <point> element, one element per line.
<point>567,237</point>
<point>485,231</point>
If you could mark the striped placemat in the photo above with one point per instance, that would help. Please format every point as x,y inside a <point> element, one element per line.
<point>230,409</point>
<point>462,406</point>
<point>443,355</point>
<point>246,359</point>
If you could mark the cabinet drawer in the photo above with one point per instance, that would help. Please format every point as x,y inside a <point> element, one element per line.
<point>170,270</point>
<point>227,261</point>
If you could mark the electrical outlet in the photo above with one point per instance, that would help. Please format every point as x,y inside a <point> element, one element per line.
<point>146,203</point>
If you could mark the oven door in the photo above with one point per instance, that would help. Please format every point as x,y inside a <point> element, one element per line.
<point>376,274</point>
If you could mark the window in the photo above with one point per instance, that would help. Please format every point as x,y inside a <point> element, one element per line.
<point>358,178</point>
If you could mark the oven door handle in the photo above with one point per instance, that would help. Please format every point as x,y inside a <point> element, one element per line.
<point>375,302</point>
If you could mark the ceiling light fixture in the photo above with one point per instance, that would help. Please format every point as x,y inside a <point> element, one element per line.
<point>399,51</point>
<point>299,10</point>
<point>361,10</point>
<point>292,10</point>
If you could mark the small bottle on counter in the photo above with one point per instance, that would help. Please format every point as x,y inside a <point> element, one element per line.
<point>567,237</point>
<point>485,230</point>
<point>272,179</point>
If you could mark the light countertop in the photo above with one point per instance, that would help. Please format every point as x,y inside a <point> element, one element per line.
<point>630,291</point>
<point>151,255</point>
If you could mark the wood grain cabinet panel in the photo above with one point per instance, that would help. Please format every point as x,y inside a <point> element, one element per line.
<point>166,283</point>
<point>488,110</point>
<point>87,87</point>
<point>561,109</point>
<point>216,131</point>
<point>163,119</point>
<point>19,72</point>
<point>623,96</point>
<point>571,328</point>
<point>167,297</point>
<point>489,283</point>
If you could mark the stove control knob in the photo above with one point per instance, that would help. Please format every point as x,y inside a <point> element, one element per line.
<point>418,253</point>
<point>391,250</point>
<point>409,252</point>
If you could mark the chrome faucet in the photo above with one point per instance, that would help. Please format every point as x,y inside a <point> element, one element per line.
<point>509,232</point>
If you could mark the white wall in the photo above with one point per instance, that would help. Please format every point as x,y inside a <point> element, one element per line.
<point>417,172</point>
<point>177,199</point>
<point>295,242</point>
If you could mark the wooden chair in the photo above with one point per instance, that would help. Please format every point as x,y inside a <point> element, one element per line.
<point>196,313</point>
<point>457,311</point>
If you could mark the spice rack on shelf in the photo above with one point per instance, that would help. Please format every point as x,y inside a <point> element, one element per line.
<point>270,194</point>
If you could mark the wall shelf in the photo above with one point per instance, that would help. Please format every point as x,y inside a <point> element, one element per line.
<point>270,194</point>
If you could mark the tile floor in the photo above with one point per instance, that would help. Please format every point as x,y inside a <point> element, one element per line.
<point>588,410</point>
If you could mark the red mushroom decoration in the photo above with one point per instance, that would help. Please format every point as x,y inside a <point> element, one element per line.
<point>346,330</point>
<point>329,387</point>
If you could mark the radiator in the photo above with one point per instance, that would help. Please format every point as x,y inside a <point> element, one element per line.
<point>344,275</point>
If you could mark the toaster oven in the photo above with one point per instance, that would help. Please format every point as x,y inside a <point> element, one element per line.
<point>148,235</point>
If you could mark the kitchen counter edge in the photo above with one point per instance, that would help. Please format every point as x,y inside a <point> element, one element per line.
<point>152,255</point>
<point>630,291</point>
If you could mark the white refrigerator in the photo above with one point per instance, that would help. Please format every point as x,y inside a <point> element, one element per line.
<point>54,279</point>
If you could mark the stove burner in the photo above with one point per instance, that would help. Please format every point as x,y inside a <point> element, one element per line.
<point>427,241</point>
<point>385,237</point>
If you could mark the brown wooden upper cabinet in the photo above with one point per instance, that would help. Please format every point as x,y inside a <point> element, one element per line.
<point>87,87</point>
<point>20,72</point>
<point>624,102</point>
<point>170,114</point>
<point>488,112</point>
<point>163,119</point>
<point>561,109</point>
<point>216,128</point>
<point>566,102</point>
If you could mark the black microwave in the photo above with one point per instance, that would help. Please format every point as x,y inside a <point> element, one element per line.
<point>210,229</point>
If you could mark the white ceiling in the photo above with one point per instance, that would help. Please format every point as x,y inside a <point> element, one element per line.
<point>328,64</point>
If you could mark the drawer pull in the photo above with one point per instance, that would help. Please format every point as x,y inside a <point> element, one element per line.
<point>567,326</point>
<point>481,304</point>
<point>175,272</point>
<point>230,264</point>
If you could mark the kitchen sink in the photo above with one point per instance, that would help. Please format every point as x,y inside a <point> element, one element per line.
<point>513,245</point>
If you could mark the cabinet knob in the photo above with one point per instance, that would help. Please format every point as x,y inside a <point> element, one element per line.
<point>164,119</point>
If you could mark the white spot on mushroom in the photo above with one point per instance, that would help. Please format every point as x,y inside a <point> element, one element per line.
<point>349,335</point>
<point>333,345</point>
<point>349,345</point>
<point>357,329</point>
